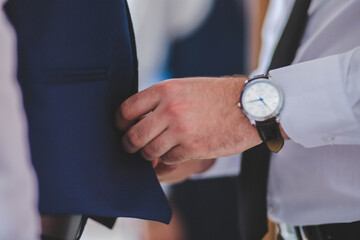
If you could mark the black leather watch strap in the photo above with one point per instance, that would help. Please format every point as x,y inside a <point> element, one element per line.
<point>269,132</point>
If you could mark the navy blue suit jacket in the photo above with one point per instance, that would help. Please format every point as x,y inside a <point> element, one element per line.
<point>76,64</point>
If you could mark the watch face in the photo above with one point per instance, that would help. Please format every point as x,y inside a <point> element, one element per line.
<point>261,99</point>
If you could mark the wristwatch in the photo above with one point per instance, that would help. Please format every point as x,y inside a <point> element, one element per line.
<point>261,101</point>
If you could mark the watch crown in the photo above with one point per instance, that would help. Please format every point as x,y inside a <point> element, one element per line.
<point>239,105</point>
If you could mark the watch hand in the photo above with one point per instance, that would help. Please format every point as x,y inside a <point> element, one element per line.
<point>262,100</point>
<point>256,100</point>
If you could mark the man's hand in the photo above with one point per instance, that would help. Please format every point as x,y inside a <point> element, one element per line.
<point>180,172</point>
<point>191,118</point>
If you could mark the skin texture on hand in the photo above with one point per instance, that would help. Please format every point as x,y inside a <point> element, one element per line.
<point>191,118</point>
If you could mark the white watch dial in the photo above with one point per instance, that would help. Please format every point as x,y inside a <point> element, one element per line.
<point>261,99</point>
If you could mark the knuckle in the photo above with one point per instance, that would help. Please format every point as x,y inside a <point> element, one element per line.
<point>125,111</point>
<point>150,151</point>
<point>185,127</point>
<point>167,87</point>
<point>133,139</point>
<point>174,110</point>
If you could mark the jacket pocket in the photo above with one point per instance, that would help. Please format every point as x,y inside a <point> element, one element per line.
<point>75,76</point>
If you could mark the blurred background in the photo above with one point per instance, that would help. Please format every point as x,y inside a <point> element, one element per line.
<point>184,38</point>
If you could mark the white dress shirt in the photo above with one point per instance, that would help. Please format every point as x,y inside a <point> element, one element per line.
<point>315,178</point>
<point>18,191</point>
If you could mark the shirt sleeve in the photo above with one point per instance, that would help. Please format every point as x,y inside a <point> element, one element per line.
<point>322,100</point>
<point>18,191</point>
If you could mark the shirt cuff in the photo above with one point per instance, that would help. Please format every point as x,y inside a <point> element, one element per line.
<point>223,167</point>
<point>316,109</point>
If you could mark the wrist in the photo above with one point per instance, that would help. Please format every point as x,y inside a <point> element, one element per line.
<point>261,101</point>
<point>247,131</point>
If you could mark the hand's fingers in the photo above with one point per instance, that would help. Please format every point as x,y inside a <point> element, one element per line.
<point>176,155</point>
<point>163,170</point>
<point>173,173</point>
<point>137,106</point>
<point>144,132</point>
<point>155,162</point>
<point>160,145</point>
